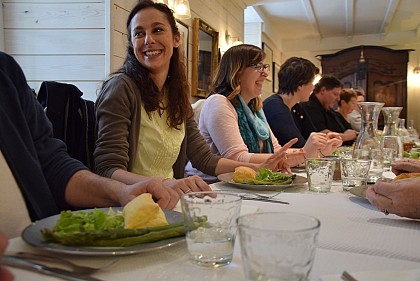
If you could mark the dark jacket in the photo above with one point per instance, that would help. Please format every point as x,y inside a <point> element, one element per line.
<point>38,161</point>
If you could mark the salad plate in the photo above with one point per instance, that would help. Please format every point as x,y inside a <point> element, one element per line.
<point>32,236</point>
<point>227,178</point>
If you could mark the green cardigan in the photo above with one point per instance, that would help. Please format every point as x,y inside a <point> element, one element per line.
<point>118,113</point>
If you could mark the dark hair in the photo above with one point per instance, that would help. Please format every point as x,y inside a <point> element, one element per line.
<point>359,93</point>
<point>346,95</point>
<point>295,72</point>
<point>235,59</point>
<point>179,106</point>
<point>329,82</point>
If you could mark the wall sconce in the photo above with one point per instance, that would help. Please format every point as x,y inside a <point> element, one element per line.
<point>181,8</point>
<point>232,41</point>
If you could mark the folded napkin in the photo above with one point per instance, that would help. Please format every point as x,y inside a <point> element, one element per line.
<point>400,275</point>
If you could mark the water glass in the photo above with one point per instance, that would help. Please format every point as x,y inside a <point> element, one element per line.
<point>354,172</point>
<point>320,173</point>
<point>388,158</point>
<point>278,246</point>
<point>376,164</point>
<point>211,221</point>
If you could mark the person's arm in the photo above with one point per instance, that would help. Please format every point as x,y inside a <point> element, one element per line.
<point>5,275</point>
<point>117,110</point>
<point>86,189</point>
<point>219,124</point>
<point>277,161</point>
<point>401,197</point>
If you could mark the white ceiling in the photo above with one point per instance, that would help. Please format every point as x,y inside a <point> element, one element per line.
<point>323,20</point>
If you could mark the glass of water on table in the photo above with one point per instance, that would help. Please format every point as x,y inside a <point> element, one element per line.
<point>211,222</point>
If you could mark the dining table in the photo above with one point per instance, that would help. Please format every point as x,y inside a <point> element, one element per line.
<point>354,236</point>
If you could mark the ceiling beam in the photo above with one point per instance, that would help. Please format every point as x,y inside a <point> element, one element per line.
<point>309,10</point>
<point>392,8</point>
<point>349,14</point>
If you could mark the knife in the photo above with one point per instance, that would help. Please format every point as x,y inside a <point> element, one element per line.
<point>47,270</point>
<point>271,200</point>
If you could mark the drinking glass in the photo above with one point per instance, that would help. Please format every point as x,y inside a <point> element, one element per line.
<point>354,172</point>
<point>211,221</point>
<point>278,246</point>
<point>320,173</point>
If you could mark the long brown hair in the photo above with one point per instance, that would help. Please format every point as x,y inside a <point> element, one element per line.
<point>179,106</point>
<point>226,81</point>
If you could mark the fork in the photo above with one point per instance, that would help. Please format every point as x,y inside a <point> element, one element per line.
<point>85,270</point>
<point>347,276</point>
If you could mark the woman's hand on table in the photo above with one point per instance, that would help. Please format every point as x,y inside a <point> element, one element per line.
<point>406,165</point>
<point>5,275</point>
<point>400,197</point>
<point>334,141</point>
<point>167,198</point>
<point>187,185</point>
<point>284,158</point>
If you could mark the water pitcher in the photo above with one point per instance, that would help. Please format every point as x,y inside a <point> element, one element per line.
<point>368,145</point>
<point>391,143</point>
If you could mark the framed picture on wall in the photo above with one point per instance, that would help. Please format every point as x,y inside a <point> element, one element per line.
<point>268,57</point>
<point>275,70</point>
<point>183,30</point>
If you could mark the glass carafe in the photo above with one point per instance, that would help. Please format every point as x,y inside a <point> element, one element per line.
<point>368,145</point>
<point>414,135</point>
<point>391,144</point>
<point>405,135</point>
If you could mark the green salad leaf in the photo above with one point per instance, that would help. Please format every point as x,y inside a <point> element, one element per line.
<point>70,222</point>
<point>267,177</point>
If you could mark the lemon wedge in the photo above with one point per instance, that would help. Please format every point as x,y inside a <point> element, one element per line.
<point>142,212</point>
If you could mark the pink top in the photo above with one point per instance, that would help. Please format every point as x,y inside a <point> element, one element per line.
<point>218,124</point>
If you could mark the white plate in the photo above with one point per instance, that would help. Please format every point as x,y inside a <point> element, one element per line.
<point>32,235</point>
<point>227,177</point>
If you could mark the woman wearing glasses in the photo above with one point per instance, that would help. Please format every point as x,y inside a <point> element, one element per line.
<point>145,120</point>
<point>232,120</point>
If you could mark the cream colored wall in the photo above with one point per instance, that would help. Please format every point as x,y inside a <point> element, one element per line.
<point>57,40</point>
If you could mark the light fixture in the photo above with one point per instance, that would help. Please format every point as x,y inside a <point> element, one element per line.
<point>416,70</point>
<point>362,59</point>
<point>181,8</point>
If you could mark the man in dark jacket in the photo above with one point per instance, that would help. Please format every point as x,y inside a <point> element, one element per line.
<point>320,108</point>
<point>38,177</point>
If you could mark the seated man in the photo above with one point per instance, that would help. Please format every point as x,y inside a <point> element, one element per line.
<point>38,177</point>
<point>320,109</point>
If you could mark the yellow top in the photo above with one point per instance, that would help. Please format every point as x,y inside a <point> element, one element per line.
<point>158,146</point>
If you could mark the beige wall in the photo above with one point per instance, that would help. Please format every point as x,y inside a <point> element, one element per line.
<point>57,40</point>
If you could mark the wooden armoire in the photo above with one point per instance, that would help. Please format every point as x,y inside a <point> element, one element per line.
<point>381,72</point>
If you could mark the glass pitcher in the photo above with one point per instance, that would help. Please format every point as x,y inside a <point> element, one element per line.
<point>368,145</point>
<point>391,143</point>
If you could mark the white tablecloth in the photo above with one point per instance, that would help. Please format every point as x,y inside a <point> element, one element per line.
<point>354,236</point>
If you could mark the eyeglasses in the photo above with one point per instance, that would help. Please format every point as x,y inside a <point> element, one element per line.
<point>260,67</point>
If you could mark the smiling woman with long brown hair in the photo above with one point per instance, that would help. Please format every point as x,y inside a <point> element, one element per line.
<point>145,121</point>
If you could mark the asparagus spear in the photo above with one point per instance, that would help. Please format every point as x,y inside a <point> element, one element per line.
<point>90,238</point>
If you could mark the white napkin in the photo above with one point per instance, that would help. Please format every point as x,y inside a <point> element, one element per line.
<point>385,275</point>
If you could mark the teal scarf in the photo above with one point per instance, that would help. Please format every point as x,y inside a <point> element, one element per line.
<point>253,128</point>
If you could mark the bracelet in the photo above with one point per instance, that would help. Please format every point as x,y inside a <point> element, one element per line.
<point>320,152</point>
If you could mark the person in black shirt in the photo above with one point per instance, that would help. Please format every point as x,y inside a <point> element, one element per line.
<point>320,109</point>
